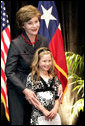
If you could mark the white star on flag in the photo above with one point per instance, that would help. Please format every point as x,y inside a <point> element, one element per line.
<point>47,16</point>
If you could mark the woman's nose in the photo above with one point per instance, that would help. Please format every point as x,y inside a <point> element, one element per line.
<point>34,25</point>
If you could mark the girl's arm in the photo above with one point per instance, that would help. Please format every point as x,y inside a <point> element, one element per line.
<point>54,111</point>
<point>60,92</point>
<point>32,99</point>
<point>43,109</point>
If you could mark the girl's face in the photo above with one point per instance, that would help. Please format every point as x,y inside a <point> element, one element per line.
<point>45,62</point>
<point>32,26</point>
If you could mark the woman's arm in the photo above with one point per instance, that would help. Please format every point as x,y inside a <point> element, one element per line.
<point>11,66</point>
<point>30,97</point>
<point>10,70</point>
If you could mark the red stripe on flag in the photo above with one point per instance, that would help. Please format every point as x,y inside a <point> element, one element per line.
<point>5,46</point>
<point>5,41</point>
<point>3,76</point>
<point>57,48</point>
<point>4,96</point>
<point>8,33</point>
<point>62,79</point>
<point>2,56</point>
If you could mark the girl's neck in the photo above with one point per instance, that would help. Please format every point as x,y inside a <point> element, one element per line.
<point>44,74</point>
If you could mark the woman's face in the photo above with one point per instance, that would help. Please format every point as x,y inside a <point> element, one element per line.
<point>32,26</point>
<point>45,62</point>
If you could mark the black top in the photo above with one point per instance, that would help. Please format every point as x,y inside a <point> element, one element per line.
<point>43,86</point>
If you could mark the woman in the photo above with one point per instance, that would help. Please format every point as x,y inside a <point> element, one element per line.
<point>44,82</point>
<point>18,63</point>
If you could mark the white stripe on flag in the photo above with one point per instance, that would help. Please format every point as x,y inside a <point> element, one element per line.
<point>6,38</point>
<point>2,48</point>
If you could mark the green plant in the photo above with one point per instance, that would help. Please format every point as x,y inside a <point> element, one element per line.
<point>75,65</point>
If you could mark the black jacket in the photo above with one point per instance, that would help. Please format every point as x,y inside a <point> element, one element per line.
<point>19,59</point>
<point>18,63</point>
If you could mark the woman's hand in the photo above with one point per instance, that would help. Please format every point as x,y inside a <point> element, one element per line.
<point>31,97</point>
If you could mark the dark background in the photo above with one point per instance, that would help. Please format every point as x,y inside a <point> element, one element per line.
<point>71,14</point>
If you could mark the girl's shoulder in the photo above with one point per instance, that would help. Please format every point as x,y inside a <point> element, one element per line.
<point>56,78</point>
<point>57,81</point>
<point>29,77</point>
<point>53,77</point>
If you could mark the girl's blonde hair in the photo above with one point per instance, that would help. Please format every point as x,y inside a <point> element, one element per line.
<point>26,13</point>
<point>35,63</point>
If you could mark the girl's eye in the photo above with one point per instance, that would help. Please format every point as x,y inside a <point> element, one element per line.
<point>29,23</point>
<point>44,61</point>
<point>49,60</point>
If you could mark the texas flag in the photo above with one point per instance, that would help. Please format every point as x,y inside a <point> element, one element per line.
<point>50,29</point>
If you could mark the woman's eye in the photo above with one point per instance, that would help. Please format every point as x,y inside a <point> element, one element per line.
<point>36,21</point>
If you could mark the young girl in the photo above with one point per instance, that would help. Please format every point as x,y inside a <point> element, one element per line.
<point>44,82</point>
